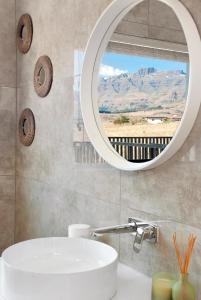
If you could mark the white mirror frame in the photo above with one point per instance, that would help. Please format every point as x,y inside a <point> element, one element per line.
<point>94,50</point>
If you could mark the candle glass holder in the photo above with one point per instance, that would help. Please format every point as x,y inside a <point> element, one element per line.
<point>183,289</point>
<point>162,284</point>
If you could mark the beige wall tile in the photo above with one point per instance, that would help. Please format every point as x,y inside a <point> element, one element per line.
<point>131,28</point>
<point>7,132</point>
<point>7,211</point>
<point>154,20</point>
<point>53,35</point>
<point>7,122</point>
<point>163,16</point>
<point>165,34</point>
<point>7,114</point>
<point>8,48</point>
<point>46,210</point>
<point>140,14</point>
<point>103,183</point>
<point>7,158</point>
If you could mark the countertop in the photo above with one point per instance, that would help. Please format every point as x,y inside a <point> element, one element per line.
<point>132,285</point>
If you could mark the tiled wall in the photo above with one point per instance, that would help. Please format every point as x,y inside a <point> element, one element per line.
<point>7,122</point>
<point>150,20</point>
<point>54,189</point>
<point>154,20</point>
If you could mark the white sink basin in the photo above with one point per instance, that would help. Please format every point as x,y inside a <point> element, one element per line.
<point>59,269</point>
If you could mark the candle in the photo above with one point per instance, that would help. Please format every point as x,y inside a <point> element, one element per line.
<point>162,286</point>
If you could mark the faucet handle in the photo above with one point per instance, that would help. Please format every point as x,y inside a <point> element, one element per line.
<point>139,238</point>
<point>149,233</point>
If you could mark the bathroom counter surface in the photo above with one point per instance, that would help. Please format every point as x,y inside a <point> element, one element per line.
<point>131,285</point>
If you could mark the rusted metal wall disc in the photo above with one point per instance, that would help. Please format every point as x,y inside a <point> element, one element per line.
<point>27,127</point>
<point>43,76</point>
<point>24,33</point>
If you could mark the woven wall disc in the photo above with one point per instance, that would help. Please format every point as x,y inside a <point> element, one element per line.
<point>24,33</point>
<point>43,76</point>
<point>27,127</point>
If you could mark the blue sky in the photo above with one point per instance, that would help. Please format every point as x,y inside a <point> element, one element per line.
<point>132,63</point>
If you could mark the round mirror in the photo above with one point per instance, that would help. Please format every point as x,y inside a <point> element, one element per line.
<point>140,88</point>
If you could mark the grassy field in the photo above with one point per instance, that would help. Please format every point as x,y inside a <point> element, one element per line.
<point>135,126</point>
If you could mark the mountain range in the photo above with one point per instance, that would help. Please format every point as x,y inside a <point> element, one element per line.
<point>147,89</point>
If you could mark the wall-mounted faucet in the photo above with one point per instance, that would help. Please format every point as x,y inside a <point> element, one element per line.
<point>142,230</point>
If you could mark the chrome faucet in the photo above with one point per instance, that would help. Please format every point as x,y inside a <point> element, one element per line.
<point>140,229</point>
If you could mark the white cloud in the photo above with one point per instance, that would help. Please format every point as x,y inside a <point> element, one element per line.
<point>108,71</point>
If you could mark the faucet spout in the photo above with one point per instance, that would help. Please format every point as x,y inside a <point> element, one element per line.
<point>124,228</point>
<point>130,227</point>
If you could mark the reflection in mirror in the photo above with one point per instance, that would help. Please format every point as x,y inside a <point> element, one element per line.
<point>143,82</point>
<point>84,152</point>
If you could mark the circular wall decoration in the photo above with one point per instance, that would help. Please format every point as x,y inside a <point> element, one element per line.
<point>27,127</point>
<point>43,76</point>
<point>24,33</point>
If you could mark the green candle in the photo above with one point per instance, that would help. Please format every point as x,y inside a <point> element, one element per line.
<point>162,286</point>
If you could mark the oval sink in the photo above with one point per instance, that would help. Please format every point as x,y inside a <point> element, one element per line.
<point>59,269</point>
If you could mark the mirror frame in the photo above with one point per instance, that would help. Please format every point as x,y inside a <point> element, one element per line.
<point>97,44</point>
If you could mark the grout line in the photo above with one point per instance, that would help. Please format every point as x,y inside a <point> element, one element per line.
<point>162,218</point>
<point>7,87</point>
<point>151,25</point>
<point>70,189</point>
<point>149,19</point>
<point>7,175</point>
<point>14,233</point>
